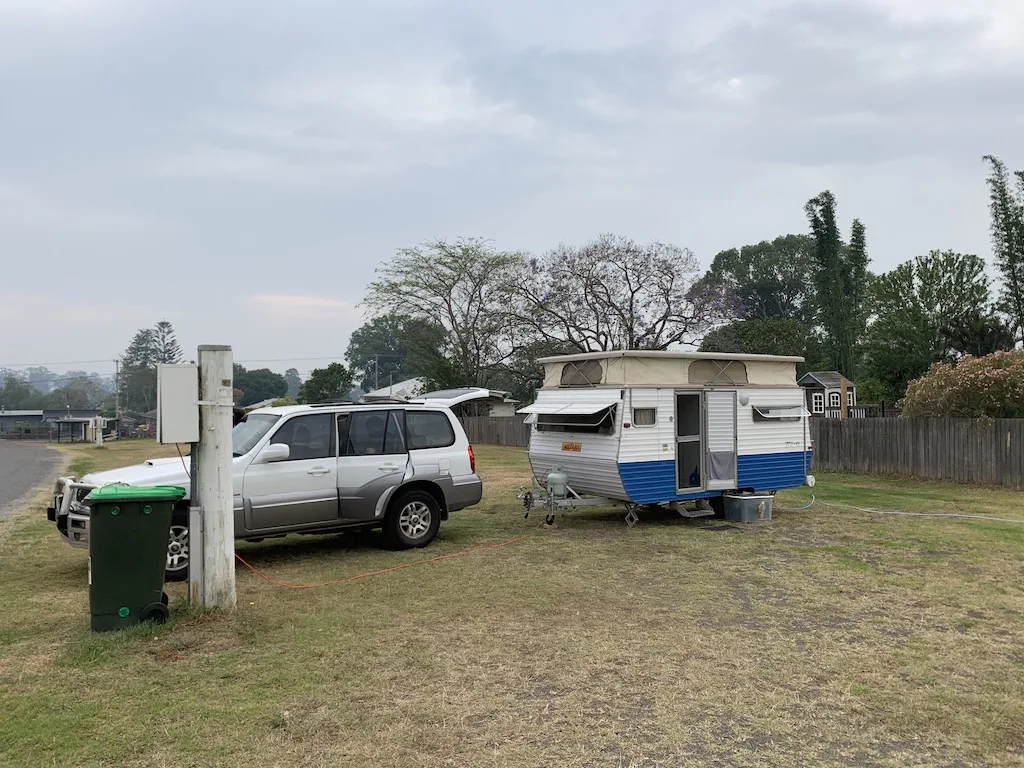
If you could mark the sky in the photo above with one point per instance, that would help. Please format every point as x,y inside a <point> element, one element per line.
<point>241,168</point>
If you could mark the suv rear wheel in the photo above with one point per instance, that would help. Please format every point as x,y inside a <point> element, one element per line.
<point>177,550</point>
<point>412,520</point>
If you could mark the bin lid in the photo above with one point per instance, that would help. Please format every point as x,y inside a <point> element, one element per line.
<point>136,493</point>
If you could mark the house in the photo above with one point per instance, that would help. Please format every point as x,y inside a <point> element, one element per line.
<point>72,423</point>
<point>824,392</point>
<point>19,421</point>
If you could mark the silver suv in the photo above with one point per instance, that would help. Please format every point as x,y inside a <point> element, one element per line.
<point>399,466</point>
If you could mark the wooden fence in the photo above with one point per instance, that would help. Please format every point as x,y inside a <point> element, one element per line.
<point>497,430</point>
<point>963,450</point>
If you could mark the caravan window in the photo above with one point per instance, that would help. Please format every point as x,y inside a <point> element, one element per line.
<point>778,412</point>
<point>645,417</point>
<point>582,373</point>
<point>724,372</point>
<point>600,423</point>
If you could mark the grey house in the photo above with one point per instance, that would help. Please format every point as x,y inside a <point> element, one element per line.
<point>823,391</point>
<point>9,420</point>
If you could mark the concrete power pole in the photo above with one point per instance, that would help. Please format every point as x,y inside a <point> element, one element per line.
<point>213,550</point>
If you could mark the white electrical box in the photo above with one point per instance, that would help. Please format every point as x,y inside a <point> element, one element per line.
<point>177,403</point>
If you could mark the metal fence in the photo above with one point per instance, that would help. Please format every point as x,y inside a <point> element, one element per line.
<point>962,450</point>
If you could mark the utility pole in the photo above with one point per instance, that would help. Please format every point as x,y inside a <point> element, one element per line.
<point>376,372</point>
<point>212,516</point>
<point>117,392</point>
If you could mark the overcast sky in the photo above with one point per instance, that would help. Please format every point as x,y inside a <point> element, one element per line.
<point>240,168</point>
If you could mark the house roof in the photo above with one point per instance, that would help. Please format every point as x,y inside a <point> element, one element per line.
<point>21,413</point>
<point>826,379</point>
<point>667,354</point>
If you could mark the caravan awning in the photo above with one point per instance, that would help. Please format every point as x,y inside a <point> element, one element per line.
<point>581,409</point>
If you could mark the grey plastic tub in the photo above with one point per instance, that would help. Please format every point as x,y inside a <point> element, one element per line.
<point>748,508</point>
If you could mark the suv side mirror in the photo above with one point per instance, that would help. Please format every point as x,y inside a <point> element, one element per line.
<point>274,452</point>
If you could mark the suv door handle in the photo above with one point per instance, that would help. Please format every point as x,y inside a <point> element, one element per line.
<point>389,468</point>
<point>317,471</point>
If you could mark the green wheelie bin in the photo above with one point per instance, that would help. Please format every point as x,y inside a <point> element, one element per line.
<point>128,531</point>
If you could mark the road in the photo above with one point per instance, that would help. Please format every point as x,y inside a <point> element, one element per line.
<point>23,468</point>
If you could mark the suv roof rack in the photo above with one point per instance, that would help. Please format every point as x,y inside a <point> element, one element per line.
<point>327,403</point>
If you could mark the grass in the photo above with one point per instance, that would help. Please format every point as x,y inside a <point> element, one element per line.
<point>825,637</point>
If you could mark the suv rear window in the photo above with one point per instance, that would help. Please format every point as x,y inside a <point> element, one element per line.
<point>428,429</point>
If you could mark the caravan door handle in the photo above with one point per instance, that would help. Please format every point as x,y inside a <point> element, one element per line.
<point>317,471</point>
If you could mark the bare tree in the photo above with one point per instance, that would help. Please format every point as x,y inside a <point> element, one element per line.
<point>614,293</point>
<point>461,292</point>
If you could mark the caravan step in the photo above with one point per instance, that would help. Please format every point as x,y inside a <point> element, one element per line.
<point>696,512</point>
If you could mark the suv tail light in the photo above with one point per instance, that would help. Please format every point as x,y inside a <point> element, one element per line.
<point>472,459</point>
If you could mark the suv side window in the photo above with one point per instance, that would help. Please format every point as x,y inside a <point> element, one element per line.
<point>375,432</point>
<point>429,429</point>
<point>307,437</point>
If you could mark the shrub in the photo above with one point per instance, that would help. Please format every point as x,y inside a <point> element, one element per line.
<point>975,387</point>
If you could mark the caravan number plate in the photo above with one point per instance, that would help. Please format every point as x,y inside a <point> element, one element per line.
<point>574,447</point>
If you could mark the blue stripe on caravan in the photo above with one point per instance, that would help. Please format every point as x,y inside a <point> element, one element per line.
<point>773,471</point>
<point>650,482</point>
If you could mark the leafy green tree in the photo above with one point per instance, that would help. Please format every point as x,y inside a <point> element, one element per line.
<point>767,336</point>
<point>915,306</point>
<point>294,382</point>
<point>17,394</point>
<point>770,279</point>
<point>759,336</point>
<point>330,383</point>
<point>165,345</point>
<point>377,351</point>
<point>1007,209</point>
<point>83,393</point>
<point>459,295</point>
<point>978,333</point>
<point>138,372</point>
<point>258,385</point>
<point>841,283</point>
<point>41,377</point>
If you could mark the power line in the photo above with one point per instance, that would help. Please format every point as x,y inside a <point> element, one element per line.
<point>43,365</point>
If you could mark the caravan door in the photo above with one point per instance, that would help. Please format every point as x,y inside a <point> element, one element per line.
<point>720,439</point>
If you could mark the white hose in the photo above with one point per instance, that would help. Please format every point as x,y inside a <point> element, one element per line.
<point>894,512</point>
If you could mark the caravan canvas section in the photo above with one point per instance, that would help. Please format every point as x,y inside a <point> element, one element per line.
<point>640,427</point>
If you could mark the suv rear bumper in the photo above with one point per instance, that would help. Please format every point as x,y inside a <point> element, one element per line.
<point>465,491</point>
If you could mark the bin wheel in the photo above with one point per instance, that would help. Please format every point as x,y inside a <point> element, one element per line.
<point>155,612</point>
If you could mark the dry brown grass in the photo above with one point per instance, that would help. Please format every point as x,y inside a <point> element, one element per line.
<point>822,638</point>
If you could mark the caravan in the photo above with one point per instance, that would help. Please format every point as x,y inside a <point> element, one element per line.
<point>644,428</point>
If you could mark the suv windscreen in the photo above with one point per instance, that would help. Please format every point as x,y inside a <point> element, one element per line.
<point>249,432</point>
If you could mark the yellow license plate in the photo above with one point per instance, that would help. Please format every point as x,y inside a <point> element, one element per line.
<point>574,447</point>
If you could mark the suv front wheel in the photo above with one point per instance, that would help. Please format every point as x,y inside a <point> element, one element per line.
<point>412,520</point>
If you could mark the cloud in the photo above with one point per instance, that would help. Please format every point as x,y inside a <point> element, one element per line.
<point>235,154</point>
<point>306,307</point>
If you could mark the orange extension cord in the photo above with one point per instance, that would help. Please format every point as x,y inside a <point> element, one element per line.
<point>378,573</point>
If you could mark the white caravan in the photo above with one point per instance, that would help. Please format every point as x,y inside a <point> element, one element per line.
<point>644,427</point>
